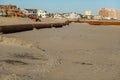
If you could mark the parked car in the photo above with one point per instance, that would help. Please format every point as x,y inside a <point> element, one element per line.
<point>34,16</point>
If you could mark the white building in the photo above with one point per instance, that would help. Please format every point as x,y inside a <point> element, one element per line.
<point>88,13</point>
<point>73,16</point>
<point>42,13</point>
<point>58,15</point>
<point>97,17</point>
<point>24,11</point>
<point>1,12</point>
<point>28,11</point>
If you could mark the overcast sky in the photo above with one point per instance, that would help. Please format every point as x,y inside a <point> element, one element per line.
<point>79,6</point>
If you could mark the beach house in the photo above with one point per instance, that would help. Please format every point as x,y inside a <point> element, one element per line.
<point>42,13</point>
<point>29,11</point>
<point>73,16</point>
<point>9,10</point>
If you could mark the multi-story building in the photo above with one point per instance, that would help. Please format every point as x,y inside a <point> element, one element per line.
<point>118,15</point>
<point>108,13</point>
<point>9,10</point>
<point>88,13</point>
<point>8,7</point>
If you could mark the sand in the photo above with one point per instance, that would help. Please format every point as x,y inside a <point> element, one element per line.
<point>73,52</point>
<point>20,20</point>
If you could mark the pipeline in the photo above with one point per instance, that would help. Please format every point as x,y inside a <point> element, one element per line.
<point>26,27</point>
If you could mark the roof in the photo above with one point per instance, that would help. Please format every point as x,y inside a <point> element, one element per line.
<point>33,10</point>
<point>8,5</point>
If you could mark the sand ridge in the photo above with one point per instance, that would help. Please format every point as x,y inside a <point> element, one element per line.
<point>17,42</point>
<point>23,56</point>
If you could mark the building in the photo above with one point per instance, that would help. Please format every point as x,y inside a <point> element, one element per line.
<point>42,13</point>
<point>88,13</point>
<point>58,15</point>
<point>71,15</point>
<point>27,12</point>
<point>74,15</point>
<point>8,7</point>
<point>97,17</point>
<point>9,10</point>
<point>109,13</point>
<point>32,11</point>
<point>1,12</point>
<point>118,14</point>
<point>24,11</point>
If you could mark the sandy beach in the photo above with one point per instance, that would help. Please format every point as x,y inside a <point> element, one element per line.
<point>19,20</point>
<point>77,51</point>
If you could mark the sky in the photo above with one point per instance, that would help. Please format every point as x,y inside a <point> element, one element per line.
<point>64,6</point>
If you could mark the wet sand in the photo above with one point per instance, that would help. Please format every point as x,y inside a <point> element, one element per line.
<point>74,52</point>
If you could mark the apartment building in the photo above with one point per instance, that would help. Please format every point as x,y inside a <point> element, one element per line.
<point>109,13</point>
